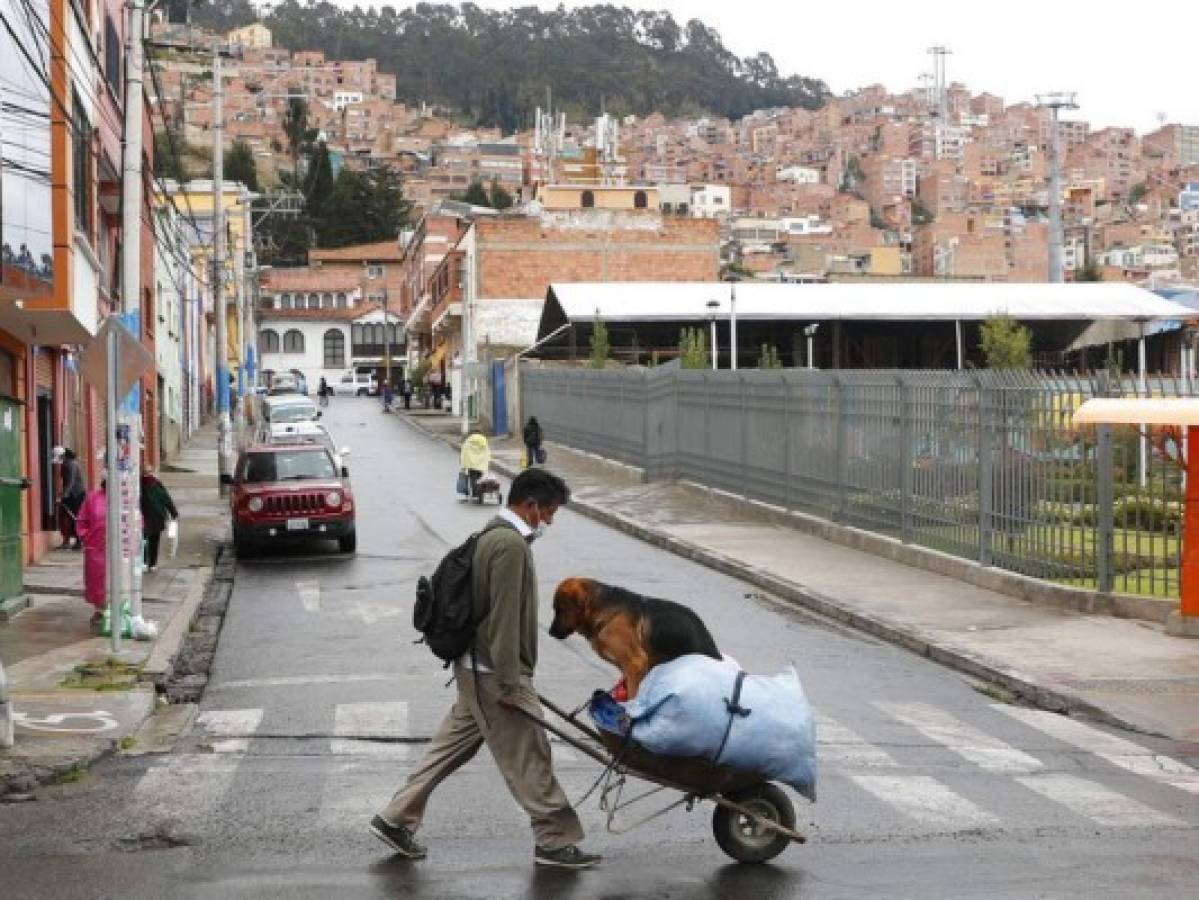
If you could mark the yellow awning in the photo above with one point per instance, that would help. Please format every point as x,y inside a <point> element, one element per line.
<point>438,355</point>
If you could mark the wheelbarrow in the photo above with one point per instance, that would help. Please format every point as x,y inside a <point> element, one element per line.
<point>753,820</point>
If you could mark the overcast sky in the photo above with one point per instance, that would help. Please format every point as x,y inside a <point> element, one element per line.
<point>1129,62</point>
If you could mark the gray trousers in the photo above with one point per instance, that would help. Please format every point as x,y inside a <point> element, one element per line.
<point>521,751</point>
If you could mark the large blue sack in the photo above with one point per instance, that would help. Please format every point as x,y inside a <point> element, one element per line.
<point>683,709</point>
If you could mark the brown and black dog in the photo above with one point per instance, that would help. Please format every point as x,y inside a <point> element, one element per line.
<point>632,632</point>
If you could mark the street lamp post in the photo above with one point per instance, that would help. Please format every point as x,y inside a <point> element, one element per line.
<point>810,334</point>
<point>713,305</point>
<point>733,325</point>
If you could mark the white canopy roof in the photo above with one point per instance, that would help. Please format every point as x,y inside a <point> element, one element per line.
<point>1138,411</point>
<point>906,301</point>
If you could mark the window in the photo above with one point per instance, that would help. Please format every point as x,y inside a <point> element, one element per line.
<point>335,349</point>
<point>341,301</point>
<point>374,271</point>
<point>640,200</point>
<point>588,199</point>
<point>314,301</point>
<point>112,58</point>
<point>356,335</point>
<point>268,341</point>
<point>81,166</point>
<point>293,341</point>
<point>326,301</point>
<point>285,301</point>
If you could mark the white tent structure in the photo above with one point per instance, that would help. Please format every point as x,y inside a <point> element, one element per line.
<point>696,303</point>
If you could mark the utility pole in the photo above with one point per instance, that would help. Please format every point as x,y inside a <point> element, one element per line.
<point>123,491</point>
<point>218,273</point>
<point>1054,103</point>
<point>386,344</point>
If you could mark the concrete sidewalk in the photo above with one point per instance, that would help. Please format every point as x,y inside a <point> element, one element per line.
<point>61,724</point>
<point>1122,671</point>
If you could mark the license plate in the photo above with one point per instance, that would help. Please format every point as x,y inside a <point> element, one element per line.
<point>297,524</point>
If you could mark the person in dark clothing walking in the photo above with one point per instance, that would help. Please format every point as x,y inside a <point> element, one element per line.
<point>73,494</point>
<point>406,392</point>
<point>157,505</point>
<point>532,437</point>
<point>495,690</point>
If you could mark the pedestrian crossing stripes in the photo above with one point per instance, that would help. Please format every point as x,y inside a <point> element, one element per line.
<point>837,744</point>
<point>926,800</point>
<point>1115,750</point>
<point>986,752</point>
<point>372,746</point>
<point>1097,803</point>
<point>371,729</point>
<point>233,728</point>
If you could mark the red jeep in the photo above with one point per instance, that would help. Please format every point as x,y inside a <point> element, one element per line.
<point>288,493</point>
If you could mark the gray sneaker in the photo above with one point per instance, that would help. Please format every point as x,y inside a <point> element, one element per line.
<point>398,838</point>
<point>570,857</point>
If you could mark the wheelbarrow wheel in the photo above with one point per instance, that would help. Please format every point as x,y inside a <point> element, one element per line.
<point>744,839</point>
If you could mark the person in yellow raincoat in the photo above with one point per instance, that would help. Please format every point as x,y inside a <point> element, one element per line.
<point>476,460</point>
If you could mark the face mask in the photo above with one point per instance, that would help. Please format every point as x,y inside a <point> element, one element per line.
<point>538,529</point>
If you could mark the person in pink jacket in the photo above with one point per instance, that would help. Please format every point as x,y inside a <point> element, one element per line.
<point>92,528</point>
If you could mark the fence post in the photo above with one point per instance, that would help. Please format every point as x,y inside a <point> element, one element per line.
<point>986,473</point>
<point>842,451</point>
<point>1105,499</point>
<point>786,442</point>
<point>905,460</point>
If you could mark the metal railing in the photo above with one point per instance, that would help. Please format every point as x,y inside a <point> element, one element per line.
<point>985,465</point>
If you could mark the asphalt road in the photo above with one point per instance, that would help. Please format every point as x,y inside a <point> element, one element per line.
<point>319,702</point>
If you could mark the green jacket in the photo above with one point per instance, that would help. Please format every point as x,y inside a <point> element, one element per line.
<point>504,596</point>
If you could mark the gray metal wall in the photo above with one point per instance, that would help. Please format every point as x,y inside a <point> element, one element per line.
<point>985,465</point>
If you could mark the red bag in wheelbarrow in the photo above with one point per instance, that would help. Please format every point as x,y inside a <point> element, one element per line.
<point>699,706</point>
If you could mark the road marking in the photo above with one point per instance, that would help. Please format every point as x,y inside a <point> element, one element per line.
<point>234,728</point>
<point>185,787</point>
<point>310,595</point>
<point>1115,750</point>
<point>100,720</point>
<point>988,753</point>
<point>1097,803</point>
<point>356,726</point>
<point>926,800</point>
<point>289,680</point>
<point>837,744</point>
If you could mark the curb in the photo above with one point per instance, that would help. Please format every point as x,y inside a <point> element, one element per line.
<point>1012,680</point>
<point>153,680</point>
<point>158,667</point>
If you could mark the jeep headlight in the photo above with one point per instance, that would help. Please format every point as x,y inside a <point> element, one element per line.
<point>333,498</point>
<point>254,504</point>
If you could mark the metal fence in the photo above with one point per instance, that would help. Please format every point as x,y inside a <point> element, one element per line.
<point>985,465</point>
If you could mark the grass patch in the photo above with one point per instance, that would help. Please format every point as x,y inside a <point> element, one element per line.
<point>72,775</point>
<point>128,742</point>
<point>996,693</point>
<point>110,675</point>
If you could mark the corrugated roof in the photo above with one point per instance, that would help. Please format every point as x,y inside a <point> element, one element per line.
<point>306,280</point>
<point>911,301</point>
<point>382,251</point>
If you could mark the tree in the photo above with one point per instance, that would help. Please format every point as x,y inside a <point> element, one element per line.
<point>166,163</point>
<point>475,195</point>
<point>921,214</point>
<point>500,198</point>
<point>1006,344</point>
<point>299,135</point>
<point>769,357</point>
<point>318,185</point>
<point>736,269</point>
<point>240,165</point>
<point>600,348</point>
<point>1090,272</point>
<point>1137,193</point>
<point>363,207</point>
<point>693,349</point>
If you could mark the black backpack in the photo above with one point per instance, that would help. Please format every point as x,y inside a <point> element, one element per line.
<point>444,609</point>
